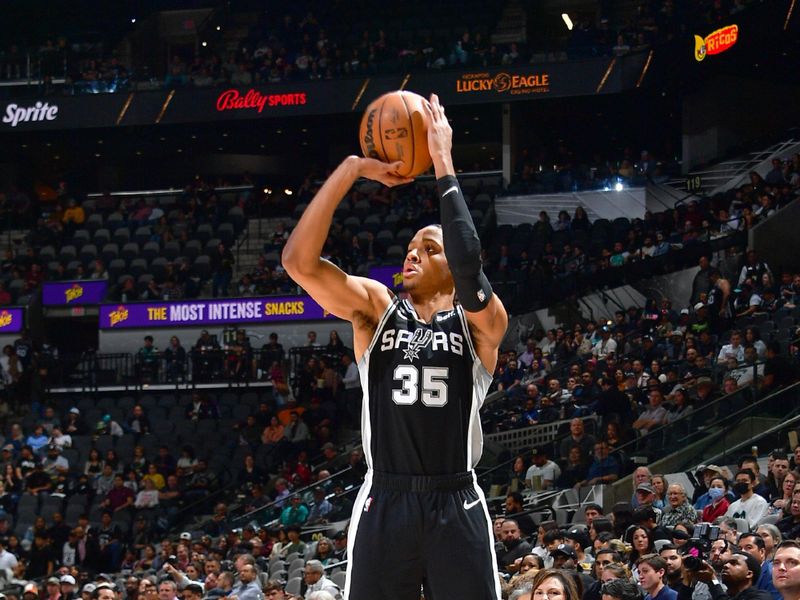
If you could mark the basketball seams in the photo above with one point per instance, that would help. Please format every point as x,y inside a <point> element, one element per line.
<point>379,125</point>
<point>412,138</point>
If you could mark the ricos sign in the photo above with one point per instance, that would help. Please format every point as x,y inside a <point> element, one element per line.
<point>41,111</point>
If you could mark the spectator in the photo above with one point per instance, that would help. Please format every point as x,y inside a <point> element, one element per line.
<point>652,569</point>
<point>543,474</point>
<point>750,506</point>
<point>314,575</point>
<point>718,496</point>
<point>739,574</point>
<point>222,267</point>
<point>604,469</point>
<point>679,509</point>
<point>578,437</point>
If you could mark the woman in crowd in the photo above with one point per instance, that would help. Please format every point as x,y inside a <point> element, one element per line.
<point>659,483</point>
<point>614,437</point>
<point>718,492</point>
<point>679,508</point>
<point>789,527</point>
<point>93,466</point>
<point>516,480</point>
<point>780,506</point>
<point>335,344</point>
<point>772,538</point>
<point>113,459</point>
<point>324,552</point>
<point>682,533</point>
<point>642,543</point>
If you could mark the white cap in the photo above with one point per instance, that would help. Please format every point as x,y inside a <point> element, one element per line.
<point>68,579</point>
<point>186,535</point>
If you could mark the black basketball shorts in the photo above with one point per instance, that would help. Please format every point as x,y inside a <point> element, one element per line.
<point>433,533</point>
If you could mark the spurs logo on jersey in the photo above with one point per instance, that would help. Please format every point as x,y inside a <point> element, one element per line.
<point>423,388</point>
<point>419,340</point>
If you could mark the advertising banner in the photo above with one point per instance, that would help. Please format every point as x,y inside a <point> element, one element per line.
<point>391,277</point>
<point>600,75</point>
<point>11,320</point>
<point>277,100</point>
<point>61,293</point>
<point>210,312</point>
<point>60,112</point>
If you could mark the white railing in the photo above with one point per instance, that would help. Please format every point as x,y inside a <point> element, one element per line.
<point>730,174</point>
<point>533,435</point>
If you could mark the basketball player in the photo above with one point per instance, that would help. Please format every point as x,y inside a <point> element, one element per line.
<point>425,363</point>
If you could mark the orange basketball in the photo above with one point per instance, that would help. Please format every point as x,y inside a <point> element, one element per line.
<point>393,128</point>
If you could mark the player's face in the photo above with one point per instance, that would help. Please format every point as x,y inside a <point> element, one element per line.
<point>425,265</point>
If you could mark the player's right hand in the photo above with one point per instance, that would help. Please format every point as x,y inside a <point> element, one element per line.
<point>385,173</point>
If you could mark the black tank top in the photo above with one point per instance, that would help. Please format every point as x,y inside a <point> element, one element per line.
<point>423,387</point>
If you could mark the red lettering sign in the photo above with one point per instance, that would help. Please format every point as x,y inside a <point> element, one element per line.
<point>253,99</point>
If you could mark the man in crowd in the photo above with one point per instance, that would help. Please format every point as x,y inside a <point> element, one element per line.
<point>786,570</point>
<point>753,544</point>
<point>543,474</point>
<point>314,574</point>
<point>652,569</point>
<point>511,546</point>
<point>740,572</point>
<point>577,437</point>
<point>749,506</point>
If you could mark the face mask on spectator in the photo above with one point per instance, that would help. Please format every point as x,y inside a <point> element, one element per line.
<point>715,493</point>
<point>740,487</point>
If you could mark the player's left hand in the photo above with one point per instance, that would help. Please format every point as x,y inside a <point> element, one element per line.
<point>385,173</point>
<point>440,134</point>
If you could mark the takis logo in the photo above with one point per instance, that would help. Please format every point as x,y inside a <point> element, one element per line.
<point>715,42</point>
<point>74,292</point>
<point>117,316</point>
<point>5,319</point>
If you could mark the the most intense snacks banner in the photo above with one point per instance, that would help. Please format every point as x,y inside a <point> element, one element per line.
<point>64,293</point>
<point>210,312</point>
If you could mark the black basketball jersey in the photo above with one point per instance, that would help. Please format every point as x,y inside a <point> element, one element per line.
<point>423,386</point>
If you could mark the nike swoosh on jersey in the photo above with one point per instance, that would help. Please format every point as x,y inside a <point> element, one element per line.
<point>450,189</point>
<point>468,505</point>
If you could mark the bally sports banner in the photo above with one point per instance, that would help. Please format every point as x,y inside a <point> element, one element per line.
<point>11,320</point>
<point>211,312</point>
<point>62,293</point>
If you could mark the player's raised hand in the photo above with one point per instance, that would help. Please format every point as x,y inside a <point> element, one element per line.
<point>440,138</point>
<point>440,134</point>
<point>385,173</point>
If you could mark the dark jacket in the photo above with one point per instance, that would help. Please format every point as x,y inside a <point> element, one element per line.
<point>751,593</point>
